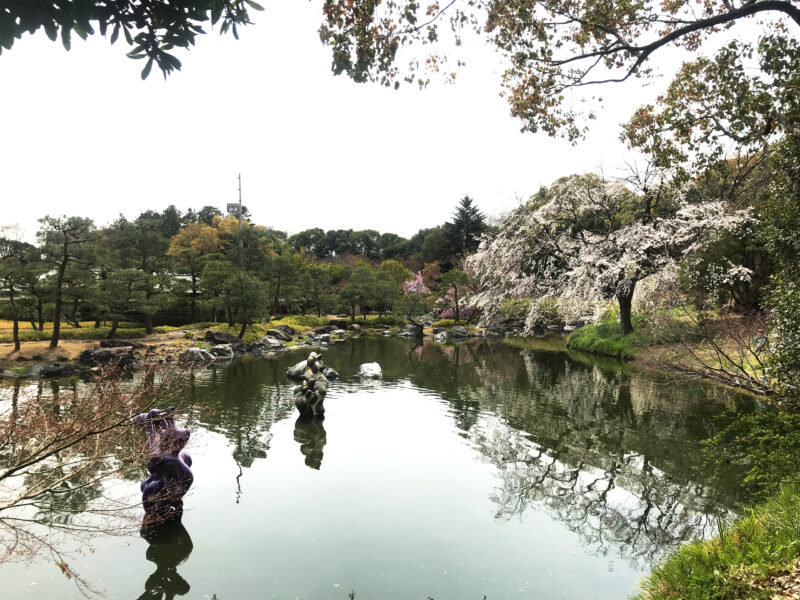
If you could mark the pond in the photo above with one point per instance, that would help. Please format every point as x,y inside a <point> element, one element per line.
<point>505,469</point>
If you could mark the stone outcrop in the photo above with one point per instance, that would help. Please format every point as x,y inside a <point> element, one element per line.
<point>280,334</point>
<point>97,357</point>
<point>195,355</point>
<point>223,352</point>
<point>120,344</point>
<point>219,337</point>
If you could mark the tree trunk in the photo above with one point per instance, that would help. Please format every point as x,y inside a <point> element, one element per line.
<point>241,332</point>
<point>97,323</point>
<point>148,324</point>
<point>194,297</point>
<point>16,317</point>
<point>57,310</point>
<point>74,316</point>
<point>114,323</point>
<point>40,314</point>
<point>625,299</point>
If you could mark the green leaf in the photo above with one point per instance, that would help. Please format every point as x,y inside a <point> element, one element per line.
<point>115,33</point>
<point>254,5</point>
<point>147,67</point>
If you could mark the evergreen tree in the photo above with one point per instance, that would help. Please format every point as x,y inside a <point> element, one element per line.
<point>467,226</point>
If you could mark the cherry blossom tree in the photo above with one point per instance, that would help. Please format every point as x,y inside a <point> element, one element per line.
<point>589,240</point>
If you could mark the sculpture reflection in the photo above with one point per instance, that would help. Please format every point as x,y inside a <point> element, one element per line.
<point>170,546</point>
<point>309,432</point>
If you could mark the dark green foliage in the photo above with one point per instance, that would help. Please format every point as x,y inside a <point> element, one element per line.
<point>153,29</point>
<point>764,448</point>
<point>779,210</point>
<point>703,275</point>
<point>464,231</point>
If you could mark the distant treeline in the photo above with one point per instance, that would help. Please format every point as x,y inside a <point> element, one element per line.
<point>171,268</point>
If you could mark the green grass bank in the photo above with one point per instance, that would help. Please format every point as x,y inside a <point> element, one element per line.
<point>756,557</point>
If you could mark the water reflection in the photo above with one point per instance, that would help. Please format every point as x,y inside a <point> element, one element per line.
<point>309,432</point>
<point>610,453</point>
<point>170,546</point>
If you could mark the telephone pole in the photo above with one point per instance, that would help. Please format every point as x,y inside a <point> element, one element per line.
<point>240,211</point>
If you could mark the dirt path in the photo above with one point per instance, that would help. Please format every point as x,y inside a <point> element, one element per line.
<point>69,350</point>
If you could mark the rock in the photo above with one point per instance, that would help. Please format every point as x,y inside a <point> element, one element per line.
<point>405,334</point>
<point>271,342</point>
<point>387,333</point>
<point>330,373</point>
<point>415,330</point>
<point>96,357</point>
<point>438,330</point>
<point>338,332</point>
<point>195,355</point>
<point>219,337</point>
<point>57,370</point>
<point>370,371</point>
<point>170,358</point>
<point>120,344</point>
<point>20,359</point>
<point>223,352</point>
<point>325,338</point>
<point>380,326</point>
<point>442,337</point>
<point>278,334</point>
<point>354,327</point>
<point>460,332</point>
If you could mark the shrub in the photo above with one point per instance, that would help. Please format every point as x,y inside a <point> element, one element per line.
<point>445,323</point>
<point>606,338</point>
<point>549,310</point>
<point>515,309</point>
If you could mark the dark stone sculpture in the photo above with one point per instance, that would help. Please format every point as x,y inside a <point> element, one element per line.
<point>309,396</point>
<point>170,475</point>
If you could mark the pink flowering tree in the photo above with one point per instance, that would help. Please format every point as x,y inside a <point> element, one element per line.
<point>588,240</point>
<point>416,286</point>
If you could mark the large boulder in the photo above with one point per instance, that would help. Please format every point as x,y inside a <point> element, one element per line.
<point>330,373</point>
<point>97,357</point>
<point>460,332</point>
<point>57,370</point>
<point>354,327</point>
<point>325,338</point>
<point>370,371</point>
<point>442,337</point>
<point>271,342</point>
<point>223,352</point>
<point>195,355</point>
<point>279,334</point>
<point>220,337</point>
<point>287,330</point>
<point>120,344</point>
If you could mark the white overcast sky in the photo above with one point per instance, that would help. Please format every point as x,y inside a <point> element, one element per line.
<point>82,134</point>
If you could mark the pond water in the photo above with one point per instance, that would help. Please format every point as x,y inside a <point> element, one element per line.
<point>499,469</point>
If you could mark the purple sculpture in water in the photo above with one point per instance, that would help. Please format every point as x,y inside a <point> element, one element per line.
<point>170,475</point>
